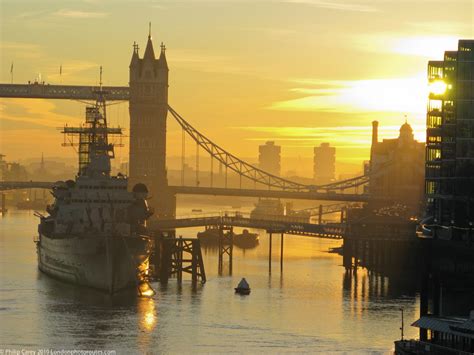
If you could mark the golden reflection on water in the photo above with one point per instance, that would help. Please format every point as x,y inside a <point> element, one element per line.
<point>147,314</point>
<point>147,321</point>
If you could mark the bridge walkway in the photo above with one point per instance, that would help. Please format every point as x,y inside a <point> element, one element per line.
<point>280,224</point>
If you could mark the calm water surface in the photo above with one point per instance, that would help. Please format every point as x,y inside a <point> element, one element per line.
<point>310,307</point>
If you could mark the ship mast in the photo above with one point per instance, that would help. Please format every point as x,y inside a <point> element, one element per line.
<point>94,151</point>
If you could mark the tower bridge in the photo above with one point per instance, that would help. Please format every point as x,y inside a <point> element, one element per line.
<point>147,95</point>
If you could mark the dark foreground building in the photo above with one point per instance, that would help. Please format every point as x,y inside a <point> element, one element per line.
<point>450,143</point>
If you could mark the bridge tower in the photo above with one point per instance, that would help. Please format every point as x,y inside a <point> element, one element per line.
<point>148,109</point>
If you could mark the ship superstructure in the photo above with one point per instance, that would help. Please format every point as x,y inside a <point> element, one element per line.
<point>95,234</point>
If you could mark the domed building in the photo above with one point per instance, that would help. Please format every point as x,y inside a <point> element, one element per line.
<point>399,167</point>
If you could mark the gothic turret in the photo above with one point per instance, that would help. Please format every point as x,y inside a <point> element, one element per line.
<point>148,109</point>
<point>134,63</point>
<point>149,52</point>
<point>162,66</point>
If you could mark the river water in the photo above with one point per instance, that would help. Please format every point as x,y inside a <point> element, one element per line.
<point>312,306</point>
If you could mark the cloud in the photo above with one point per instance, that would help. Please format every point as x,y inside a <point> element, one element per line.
<point>347,137</point>
<point>404,95</point>
<point>72,71</point>
<point>79,14</point>
<point>342,5</point>
<point>209,63</point>
<point>37,112</point>
<point>22,50</point>
<point>426,46</point>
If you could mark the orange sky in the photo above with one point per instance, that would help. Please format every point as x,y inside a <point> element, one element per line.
<point>299,72</point>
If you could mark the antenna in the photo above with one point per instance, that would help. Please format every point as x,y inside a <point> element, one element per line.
<point>149,29</point>
<point>100,78</point>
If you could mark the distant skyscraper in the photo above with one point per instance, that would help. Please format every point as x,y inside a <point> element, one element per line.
<point>269,158</point>
<point>450,142</point>
<point>324,167</point>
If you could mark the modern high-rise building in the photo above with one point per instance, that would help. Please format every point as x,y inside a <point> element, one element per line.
<point>324,167</point>
<point>269,159</point>
<point>449,164</point>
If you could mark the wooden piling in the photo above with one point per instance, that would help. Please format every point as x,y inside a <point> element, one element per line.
<point>226,247</point>
<point>4,208</point>
<point>270,254</point>
<point>181,255</point>
<point>347,254</point>
<point>281,252</point>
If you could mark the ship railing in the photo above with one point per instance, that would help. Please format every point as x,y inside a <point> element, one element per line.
<point>423,347</point>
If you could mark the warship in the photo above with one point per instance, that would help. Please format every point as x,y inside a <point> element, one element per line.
<point>94,233</point>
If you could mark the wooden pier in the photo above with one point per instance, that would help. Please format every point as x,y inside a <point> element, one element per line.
<point>381,245</point>
<point>174,256</point>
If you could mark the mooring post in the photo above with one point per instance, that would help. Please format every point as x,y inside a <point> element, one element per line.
<point>221,236</point>
<point>165,261</point>
<point>231,248</point>
<point>4,210</point>
<point>179,260</point>
<point>270,254</point>
<point>281,252</point>
<point>346,253</point>
<point>320,214</point>
<point>356,254</point>
<point>194,263</point>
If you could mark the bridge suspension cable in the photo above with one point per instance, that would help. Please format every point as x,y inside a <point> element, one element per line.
<point>246,170</point>
<point>235,164</point>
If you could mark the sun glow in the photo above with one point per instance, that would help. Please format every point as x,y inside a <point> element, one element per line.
<point>404,95</point>
<point>438,87</point>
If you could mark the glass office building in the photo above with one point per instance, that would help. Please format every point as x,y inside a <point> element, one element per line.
<point>449,168</point>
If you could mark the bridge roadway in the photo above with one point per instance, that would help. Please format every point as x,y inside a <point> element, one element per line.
<point>217,191</point>
<point>65,92</point>
<point>236,219</point>
<point>295,195</point>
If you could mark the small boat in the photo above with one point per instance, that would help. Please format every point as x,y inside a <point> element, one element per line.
<point>196,210</point>
<point>243,287</point>
<point>209,236</point>
<point>246,240</point>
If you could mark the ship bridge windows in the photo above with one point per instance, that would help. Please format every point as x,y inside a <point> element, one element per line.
<point>100,201</point>
<point>95,187</point>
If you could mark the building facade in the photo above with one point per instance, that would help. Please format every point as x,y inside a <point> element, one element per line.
<point>450,143</point>
<point>324,164</point>
<point>148,111</point>
<point>269,158</point>
<point>397,168</point>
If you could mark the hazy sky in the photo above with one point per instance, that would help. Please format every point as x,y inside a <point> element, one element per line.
<point>299,72</point>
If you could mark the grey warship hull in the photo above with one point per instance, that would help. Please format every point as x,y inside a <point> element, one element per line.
<point>105,263</point>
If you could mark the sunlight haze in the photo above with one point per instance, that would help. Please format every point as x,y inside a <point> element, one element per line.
<point>314,71</point>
